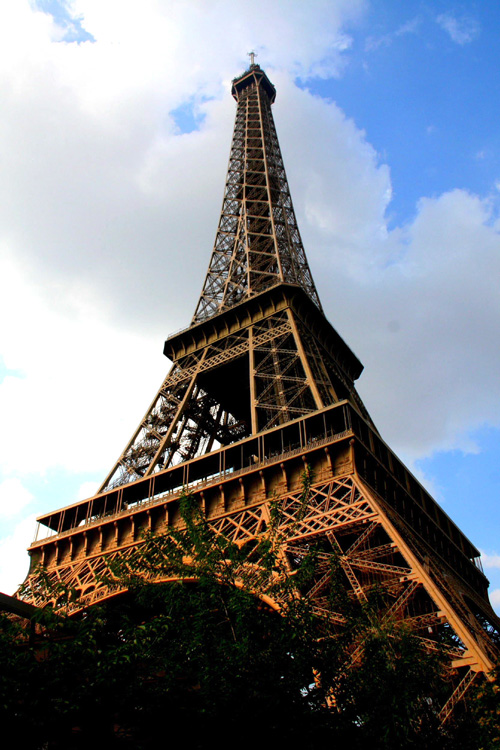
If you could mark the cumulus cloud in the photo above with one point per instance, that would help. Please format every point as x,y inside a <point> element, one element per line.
<point>14,497</point>
<point>14,561</point>
<point>430,322</point>
<point>462,30</point>
<point>87,489</point>
<point>495,599</point>
<point>77,377</point>
<point>490,561</point>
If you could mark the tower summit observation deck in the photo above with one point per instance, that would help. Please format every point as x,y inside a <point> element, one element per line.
<point>261,386</point>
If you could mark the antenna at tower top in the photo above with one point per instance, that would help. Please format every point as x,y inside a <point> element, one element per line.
<point>252,55</point>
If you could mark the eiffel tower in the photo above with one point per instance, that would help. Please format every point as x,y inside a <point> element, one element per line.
<point>260,387</point>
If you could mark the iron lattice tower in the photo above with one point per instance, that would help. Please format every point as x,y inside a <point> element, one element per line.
<point>262,385</point>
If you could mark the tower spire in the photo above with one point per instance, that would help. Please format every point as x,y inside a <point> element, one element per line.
<point>258,243</point>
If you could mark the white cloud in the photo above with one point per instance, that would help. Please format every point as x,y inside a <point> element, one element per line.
<point>490,561</point>
<point>14,497</point>
<point>495,599</point>
<point>338,185</point>
<point>410,27</point>
<point>426,323</point>
<point>81,377</point>
<point>14,561</point>
<point>462,30</point>
<point>87,489</point>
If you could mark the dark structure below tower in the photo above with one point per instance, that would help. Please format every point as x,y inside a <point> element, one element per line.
<point>261,385</point>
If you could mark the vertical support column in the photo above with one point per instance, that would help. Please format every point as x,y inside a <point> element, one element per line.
<point>253,398</point>
<point>223,498</point>
<point>329,460</point>
<point>284,475</point>
<point>265,141</point>
<point>304,361</point>
<point>263,483</point>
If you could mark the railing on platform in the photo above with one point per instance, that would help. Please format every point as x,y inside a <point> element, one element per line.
<point>197,484</point>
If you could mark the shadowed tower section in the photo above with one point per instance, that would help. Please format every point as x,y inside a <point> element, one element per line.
<point>260,394</point>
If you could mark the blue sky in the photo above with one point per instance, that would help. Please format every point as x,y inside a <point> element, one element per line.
<point>114,143</point>
<point>426,100</point>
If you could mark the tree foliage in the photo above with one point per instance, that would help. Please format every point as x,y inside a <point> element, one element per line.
<point>224,647</point>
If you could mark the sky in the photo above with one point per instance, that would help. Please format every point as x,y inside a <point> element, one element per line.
<point>115,132</point>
